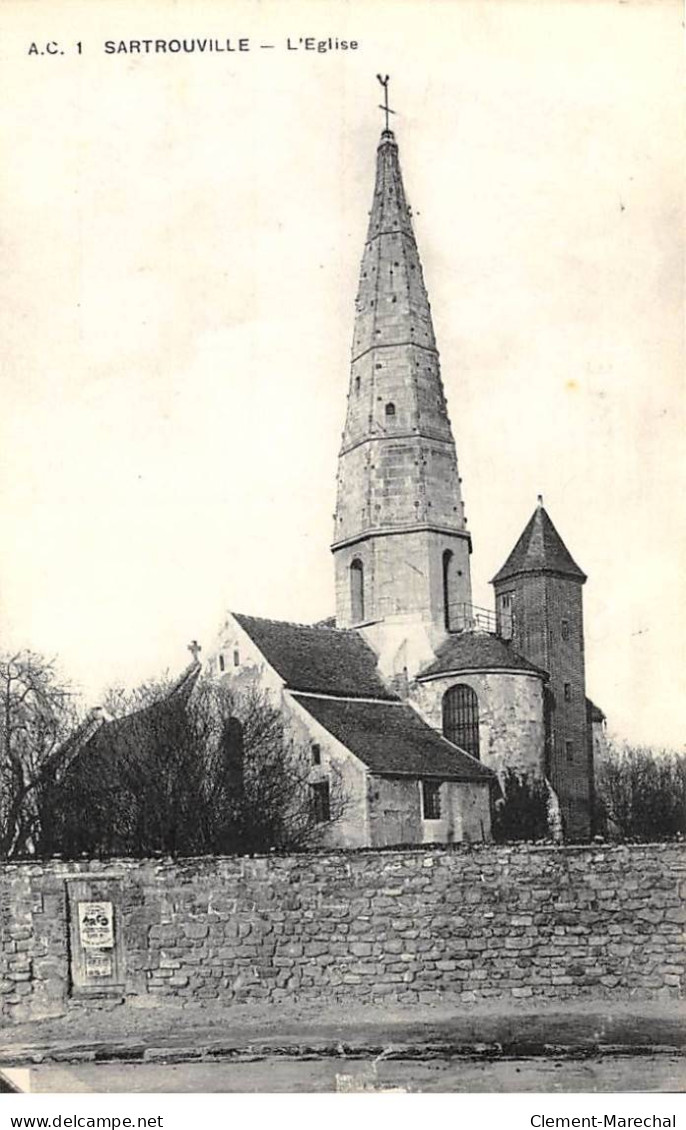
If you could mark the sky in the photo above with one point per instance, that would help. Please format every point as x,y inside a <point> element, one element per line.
<point>182,236</point>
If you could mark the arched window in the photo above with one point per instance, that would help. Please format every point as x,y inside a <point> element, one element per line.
<point>461,718</point>
<point>447,570</point>
<point>321,801</point>
<point>232,751</point>
<point>357,590</point>
<point>390,410</point>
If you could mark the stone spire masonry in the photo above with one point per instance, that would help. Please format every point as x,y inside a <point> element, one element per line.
<point>401,546</point>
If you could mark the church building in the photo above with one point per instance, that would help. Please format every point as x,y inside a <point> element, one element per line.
<point>416,700</point>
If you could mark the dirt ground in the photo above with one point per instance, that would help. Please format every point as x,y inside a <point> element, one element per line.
<point>661,1073</point>
<point>153,1030</point>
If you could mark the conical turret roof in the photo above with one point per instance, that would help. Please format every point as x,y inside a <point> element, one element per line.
<point>540,549</point>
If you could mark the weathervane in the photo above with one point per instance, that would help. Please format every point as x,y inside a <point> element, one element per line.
<point>383,79</point>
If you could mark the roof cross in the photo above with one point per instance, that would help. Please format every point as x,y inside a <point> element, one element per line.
<point>195,649</point>
<point>384,79</point>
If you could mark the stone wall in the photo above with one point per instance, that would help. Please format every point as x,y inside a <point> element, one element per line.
<point>403,575</point>
<point>548,923</point>
<point>511,717</point>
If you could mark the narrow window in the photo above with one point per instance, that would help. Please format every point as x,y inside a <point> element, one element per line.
<point>357,384</point>
<point>316,754</point>
<point>568,692</point>
<point>565,629</point>
<point>357,590</point>
<point>321,802</point>
<point>569,749</point>
<point>447,570</point>
<point>221,663</point>
<point>390,410</point>
<point>236,658</point>
<point>431,800</point>
<point>461,718</point>
<point>232,751</point>
<point>505,616</point>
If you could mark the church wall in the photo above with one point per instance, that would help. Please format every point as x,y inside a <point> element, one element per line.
<point>401,568</point>
<point>466,925</point>
<point>234,643</point>
<point>394,811</point>
<point>511,721</point>
<point>347,777</point>
<point>474,801</point>
<point>403,575</point>
<point>465,815</point>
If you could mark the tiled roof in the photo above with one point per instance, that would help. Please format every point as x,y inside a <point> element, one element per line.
<point>328,660</point>
<point>477,651</point>
<point>392,739</point>
<point>135,735</point>
<point>540,549</point>
<point>328,622</point>
<point>100,736</point>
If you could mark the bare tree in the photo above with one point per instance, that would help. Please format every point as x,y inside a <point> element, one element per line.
<point>641,793</point>
<point>258,777</point>
<point>120,700</point>
<point>207,771</point>
<point>37,712</point>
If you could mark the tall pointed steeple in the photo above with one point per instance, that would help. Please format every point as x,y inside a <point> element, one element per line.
<point>399,524</point>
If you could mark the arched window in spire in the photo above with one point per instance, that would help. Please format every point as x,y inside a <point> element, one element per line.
<point>447,587</point>
<point>357,590</point>
<point>461,718</point>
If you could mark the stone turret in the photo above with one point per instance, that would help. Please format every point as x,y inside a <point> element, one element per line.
<point>401,546</point>
<point>539,606</point>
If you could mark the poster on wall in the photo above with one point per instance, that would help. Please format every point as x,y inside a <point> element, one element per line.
<point>98,963</point>
<point>96,926</point>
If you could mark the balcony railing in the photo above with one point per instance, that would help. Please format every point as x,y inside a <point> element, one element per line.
<point>470,618</point>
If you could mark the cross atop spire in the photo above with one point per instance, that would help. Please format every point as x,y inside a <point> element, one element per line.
<point>384,80</point>
<point>195,648</point>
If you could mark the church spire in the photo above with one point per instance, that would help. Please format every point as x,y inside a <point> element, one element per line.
<point>398,466</point>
